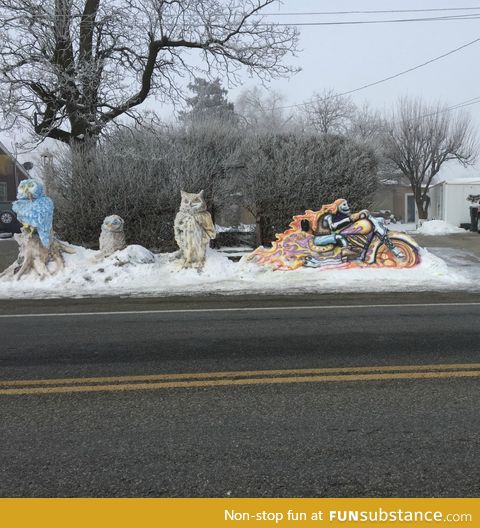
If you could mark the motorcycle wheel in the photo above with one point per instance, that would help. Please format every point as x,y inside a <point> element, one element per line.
<point>385,258</point>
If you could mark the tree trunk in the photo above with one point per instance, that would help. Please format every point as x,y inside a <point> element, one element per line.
<point>84,189</point>
<point>83,158</point>
<point>34,257</point>
<point>421,203</point>
<point>258,230</point>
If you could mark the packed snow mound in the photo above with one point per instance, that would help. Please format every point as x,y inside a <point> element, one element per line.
<point>135,271</point>
<point>438,227</point>
<point>133,254</point>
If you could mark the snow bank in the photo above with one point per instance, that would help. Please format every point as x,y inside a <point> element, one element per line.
<point>137,272</point>
<point>438,227</point>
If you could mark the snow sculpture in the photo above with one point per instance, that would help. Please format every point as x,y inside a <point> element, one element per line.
<point>334,237</point>
<point>112,237</point>
<point>133,255</point>
<point>34,210</point>
<point>193,230</point>
<point>37,245</point>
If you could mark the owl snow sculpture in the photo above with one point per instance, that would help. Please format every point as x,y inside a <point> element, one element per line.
<point>193,230</point>
<point>37,245</point>
<point>112,237</point>
<point>34,210</point>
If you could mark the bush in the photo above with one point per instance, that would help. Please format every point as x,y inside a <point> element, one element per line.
<point>285,175</point>
<point>138,174</point>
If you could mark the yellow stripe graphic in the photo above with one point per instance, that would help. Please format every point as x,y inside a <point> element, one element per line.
<point>240,373</point>
<point>121,387</point>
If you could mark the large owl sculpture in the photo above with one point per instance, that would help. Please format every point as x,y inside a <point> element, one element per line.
<point>34,210</point>
<point>193,230</point>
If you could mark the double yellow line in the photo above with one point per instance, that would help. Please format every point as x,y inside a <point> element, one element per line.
<point>236,378</point>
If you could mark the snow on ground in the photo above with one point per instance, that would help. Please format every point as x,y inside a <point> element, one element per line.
<point>464,261</point>
<point>137,272</point>
<point>438,227</point>
<point>404,228</point>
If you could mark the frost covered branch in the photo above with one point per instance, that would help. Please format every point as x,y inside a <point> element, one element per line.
<point>68,68</point>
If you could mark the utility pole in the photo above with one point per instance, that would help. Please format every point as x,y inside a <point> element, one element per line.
<point>47,164</point>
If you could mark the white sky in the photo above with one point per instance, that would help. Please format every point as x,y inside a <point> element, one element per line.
<point>344,57</point>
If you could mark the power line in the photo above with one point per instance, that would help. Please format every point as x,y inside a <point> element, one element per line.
<point>390,77</point>
<point>462,17</point>
<point>386,11</point>
<point>463,104</point>
<point>474,16</point>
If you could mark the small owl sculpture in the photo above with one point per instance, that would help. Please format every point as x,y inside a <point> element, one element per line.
<point>112,237</point>
<point>34,210</point>
<point>193,230</point>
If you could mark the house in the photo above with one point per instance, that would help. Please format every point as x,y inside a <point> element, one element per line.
<point>449,200</point>
<point>11,174</point>
<point>395,195</point>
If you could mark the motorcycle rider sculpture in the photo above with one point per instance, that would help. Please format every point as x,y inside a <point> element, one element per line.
<point>339,218</point>
<point>335,238</point>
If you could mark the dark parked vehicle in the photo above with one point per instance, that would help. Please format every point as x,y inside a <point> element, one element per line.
<point>8,219</point>
<point>474,212</point>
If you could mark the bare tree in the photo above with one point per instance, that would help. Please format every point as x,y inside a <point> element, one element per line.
<point>368,127</point>
<point>262,110</point>
<point>68,68</point>
<point>329,113</point>
<point>420,138</point>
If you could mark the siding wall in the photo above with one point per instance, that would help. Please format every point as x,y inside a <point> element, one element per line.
<point>449,202</point>
<point>457,209</point>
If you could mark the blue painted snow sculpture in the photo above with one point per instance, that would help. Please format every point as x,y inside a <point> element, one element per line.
<point>34,210</point>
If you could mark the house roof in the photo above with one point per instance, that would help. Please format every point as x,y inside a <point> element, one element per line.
<point>460,181</point>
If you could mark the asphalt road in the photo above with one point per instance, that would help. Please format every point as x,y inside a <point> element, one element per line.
<point>178,401</point>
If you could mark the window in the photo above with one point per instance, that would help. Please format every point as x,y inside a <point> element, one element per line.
<point>3,192</point>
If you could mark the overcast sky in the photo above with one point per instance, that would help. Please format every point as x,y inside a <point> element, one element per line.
<point>347,56</point>
<point>344,57</point>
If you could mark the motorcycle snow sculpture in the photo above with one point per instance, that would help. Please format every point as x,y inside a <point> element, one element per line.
<point>335,238</point>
